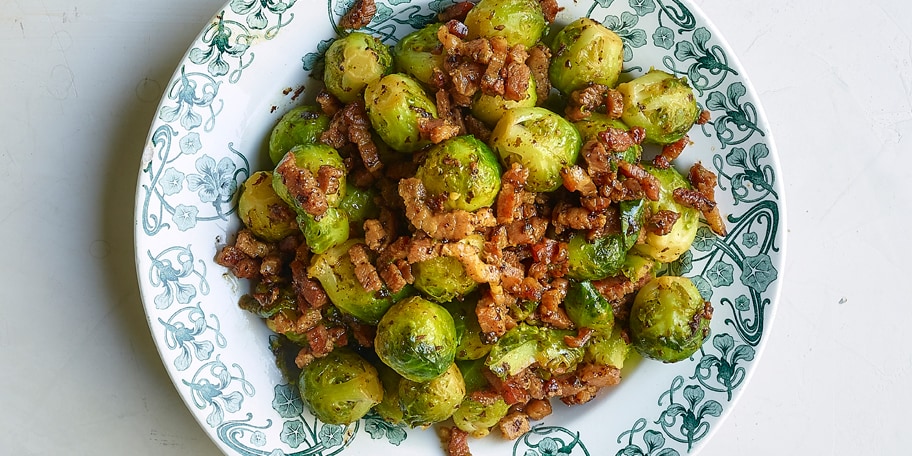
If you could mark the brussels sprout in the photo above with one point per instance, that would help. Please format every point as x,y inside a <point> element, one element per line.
<point>359,204</point>
<point>594,260</point>
<point>669,319</point>
<point>637,267</point>
<point>442,279</point>
<point>301,125</point>
<point>468,331</point>
<point>284,302</point>
<point>663,105</point>
<point>353,62</point>
<point>667,248</point>
<point>596,123</point>
<point>331,229</point>
<point>540,140</point>
<point>473,373</point>
<point>477,418</point>
<point>389,408</point>
<point>632,215</point>
<point>394,105</point>
<point>490,108</point>
<point>417,338</point>
<point>335,271</point>
<point>427,402</point>
<point>419,52</point>
<point>465,170</point>
<point>341,387</point>
<point>518,21</point>
<point>310,157</point>
<point>526,345</point>
<point>608,348</point>
<point>585,52</point>
<point>262,211</point>
<point>587,308</point>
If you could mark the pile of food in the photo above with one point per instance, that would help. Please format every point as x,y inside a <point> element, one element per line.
<point>464,226</point>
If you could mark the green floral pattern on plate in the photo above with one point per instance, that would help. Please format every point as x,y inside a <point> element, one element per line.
<point>207,138</point>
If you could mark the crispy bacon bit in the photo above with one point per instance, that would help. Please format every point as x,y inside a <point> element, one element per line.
<point>329,104</point>
<point>648,182</point>
<point>328,179</point>
<point>539,60</point>
<point>704,117</point>
<point>584,101</point>
<point>468,255</point>
<point>360,14</point>
<point>492,317</point>
<point>670,152</point>
<point>240,264</point>
<point>694,199</point>
<point>457,28</point>
<point>614,104</point>
<point>616,139</point>
<point>476,128</point>
<point>660,223</point>
<point>452,225</point>
<point>514,425</point>
<point>538,409</point>
<point>516,74</point>
<point>351,125</point>
<point>365,272</point>
<point>550,310</point>
<point>550,9</point>
<point>375,235</point>
<point>302,187</point>
<point>577,180</point>
<point>580,339</point>
<point>704,181</point>
<point>456,11</point>
<point>599,375</point>
<point>393,278</point>
<point>458,443</point>
<point>249,244</point>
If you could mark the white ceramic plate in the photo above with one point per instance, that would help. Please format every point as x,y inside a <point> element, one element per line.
<point>250,64</point>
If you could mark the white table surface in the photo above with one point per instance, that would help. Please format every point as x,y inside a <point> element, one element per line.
<point>80,80</point>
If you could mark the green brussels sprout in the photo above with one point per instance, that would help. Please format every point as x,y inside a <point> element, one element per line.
<point>468,330</point>
<point>336,273</point>
<point>526,345</point>
<point>359,204</point>
<point>465,170</point>
<point>667,248</point>
<point>607,348</point>
<point>419,52</point>
<point>541,141</point>
<point>595,260</point>
<point>310,157</point>
<point>417,338</point>
<point>587,308</point>
<point>490,108</point>
<point>354,61</point>
<point>473,373</point>
<point>632,217</point>
<point>301,125</point>
<point>262,211</point>
<point>585,52</point>
<point>286,302</point>
<point>341,387</point>
<point>427,402</point>
<point>637,267</point>
<point>661,104</point>
<point>477,418</point>
<point>442,279</point>
<point>331,229</point>
<point>395,103</point>
<point>596,123</point>
<point>518,21</point>
<point>669,319</point>
<point>389,408</point>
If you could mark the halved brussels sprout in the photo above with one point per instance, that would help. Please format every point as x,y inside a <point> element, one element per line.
<point>662,104</point>
<point>419,52</point>
<point>325,232</point>
<point>477,418</point>
<point>541,141</point>
<point>301,125</point>
<point>310,157</point>
<point>354,61</point>
<point>262,211</point>
<point>667,248</point>
<point>335,271</point>
<point>587,308</point>
<point>490,108</point>
<point>465,170</point>
<point>608,348</point>
<point>519,21</point>
<point>526,345</point>
<point>585,52</point>
<point>417,338</point>
<point>427,402</point>
<point>669,319</point>
<point>341,387</point>
<point>394,104</point>
<point>595,260</point>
